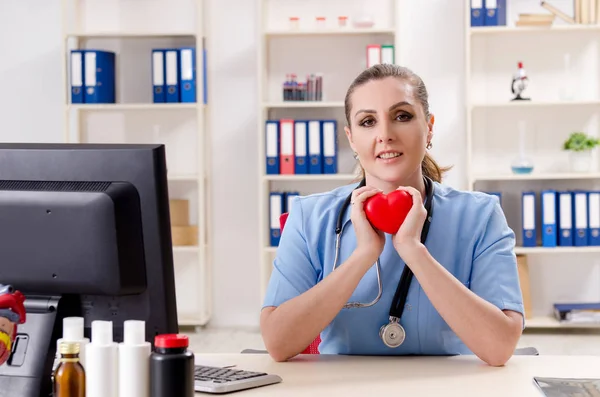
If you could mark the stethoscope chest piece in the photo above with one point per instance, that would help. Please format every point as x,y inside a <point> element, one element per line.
<point>392,334</point>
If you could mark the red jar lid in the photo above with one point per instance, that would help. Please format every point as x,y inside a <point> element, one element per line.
<point>167,341</point>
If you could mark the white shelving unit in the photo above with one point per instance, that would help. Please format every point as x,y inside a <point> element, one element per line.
<point>337,52</point>
<point>134,118</point>
<point>492,54</point>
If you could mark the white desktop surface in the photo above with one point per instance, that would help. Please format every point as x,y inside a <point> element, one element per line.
<point>319,375</point>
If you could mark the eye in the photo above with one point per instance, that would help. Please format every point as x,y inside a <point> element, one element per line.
<point>367,122</point>
<point>403,116</point>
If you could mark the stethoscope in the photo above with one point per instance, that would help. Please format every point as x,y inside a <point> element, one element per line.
<point>392,334</point>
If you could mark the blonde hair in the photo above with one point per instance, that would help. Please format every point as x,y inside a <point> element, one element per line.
<point>381,71</point>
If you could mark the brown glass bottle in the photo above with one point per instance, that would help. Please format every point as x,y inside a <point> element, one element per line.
<point>69,377</point>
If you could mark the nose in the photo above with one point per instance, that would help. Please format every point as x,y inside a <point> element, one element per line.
<point>385,133</point>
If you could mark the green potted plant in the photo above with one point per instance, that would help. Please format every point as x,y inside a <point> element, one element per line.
<point>580,146</point>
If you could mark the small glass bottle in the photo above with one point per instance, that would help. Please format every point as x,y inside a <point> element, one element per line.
<point>69,377</point>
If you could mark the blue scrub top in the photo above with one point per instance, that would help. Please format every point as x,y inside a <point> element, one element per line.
<point>468,235</point>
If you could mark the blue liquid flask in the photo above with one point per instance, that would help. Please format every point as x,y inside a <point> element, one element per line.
<point>522,164</point>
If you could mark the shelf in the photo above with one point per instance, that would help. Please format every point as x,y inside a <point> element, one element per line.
<point>189,321</point>
<point>311,177</point>
<point>126,34</point>
<point>529,104</point>
<point>185,248</point>
<point>324,32</point>
<point>183,178</point>
<point>548,322</point>
<point>133,106</point>
<point>495,30</point>
<point>535,176</point>
<point>183,125</point>
<point>556,250</point>
<point>304,104</point>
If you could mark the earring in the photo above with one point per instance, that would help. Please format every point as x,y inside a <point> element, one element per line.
<point>429,145</point>
<point>355,156</point>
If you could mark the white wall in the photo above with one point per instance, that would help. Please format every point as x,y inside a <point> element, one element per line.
<point>36,52</point>
<point>30,63</point>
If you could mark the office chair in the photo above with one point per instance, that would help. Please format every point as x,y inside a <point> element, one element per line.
<point>313,348</point>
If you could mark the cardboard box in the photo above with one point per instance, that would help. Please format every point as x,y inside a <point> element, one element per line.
<point>184,235</point>
<point>180,212</point>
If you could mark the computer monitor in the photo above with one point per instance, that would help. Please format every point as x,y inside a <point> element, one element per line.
<point>84,231</point>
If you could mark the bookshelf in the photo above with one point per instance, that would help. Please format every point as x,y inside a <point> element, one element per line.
<point>339,54</point>
<point>134,117</point>
<point>561,61</point>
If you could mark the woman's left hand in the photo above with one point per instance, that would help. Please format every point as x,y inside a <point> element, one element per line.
<point>408,237</point>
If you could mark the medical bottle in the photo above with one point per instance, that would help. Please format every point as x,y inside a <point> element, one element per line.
<point>171,367</point>
<point>102,362</point>
<point>134,360</point>
<point>69,377</point>
<point>73,332</point>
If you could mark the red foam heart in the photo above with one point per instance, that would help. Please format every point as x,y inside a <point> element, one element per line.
<point>386,212</point>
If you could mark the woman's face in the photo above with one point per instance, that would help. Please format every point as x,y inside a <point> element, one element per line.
<point>389,131</point>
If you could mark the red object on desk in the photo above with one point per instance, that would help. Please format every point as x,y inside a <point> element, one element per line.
<point>313,348</point>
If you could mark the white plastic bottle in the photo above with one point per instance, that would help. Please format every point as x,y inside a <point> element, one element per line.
<point>73,332</point>
<point>102,362</point>
<point>134,360</point>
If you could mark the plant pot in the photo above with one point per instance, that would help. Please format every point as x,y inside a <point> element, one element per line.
<point>580,161</point>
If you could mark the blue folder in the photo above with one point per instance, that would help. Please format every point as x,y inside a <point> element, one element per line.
<point>187,74</point>
<point>99,77</point>
<point>77,76</point>
<point>549,215</point>
<point>272,147</point>
<point>528,219</point>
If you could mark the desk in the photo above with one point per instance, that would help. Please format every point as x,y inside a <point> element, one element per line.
<point>330,375</point>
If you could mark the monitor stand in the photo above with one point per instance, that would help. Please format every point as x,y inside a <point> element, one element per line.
<point>28,371</point>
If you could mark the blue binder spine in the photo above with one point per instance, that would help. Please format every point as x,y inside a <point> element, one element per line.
<point>549,214</point>
<point>477,13</point>
<point>330,146</point>
<point>77,76</point>
<point>99,76</point>
<point>301,146</point>
<point>490,16</point>
<point>565,219</point>
<point>594,218</point>
<point>495,13</point>
<point>272,146</point>
<point>275,211</point>
<point>528,219</point>
<point>315,147</point>
<point>172,75</point>
<point>501,12</point>
<point>187,74</point>
<point>580,215</point>
<point>158,76</point>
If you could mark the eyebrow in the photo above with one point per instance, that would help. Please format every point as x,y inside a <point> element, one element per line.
<point>401,103</point>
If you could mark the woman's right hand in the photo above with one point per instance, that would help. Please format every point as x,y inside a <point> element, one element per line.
<point>369,241</point>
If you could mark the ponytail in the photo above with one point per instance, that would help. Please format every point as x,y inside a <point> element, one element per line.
<point>431,169</point>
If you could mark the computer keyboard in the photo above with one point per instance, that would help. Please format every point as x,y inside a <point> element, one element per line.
<point>217,380</point>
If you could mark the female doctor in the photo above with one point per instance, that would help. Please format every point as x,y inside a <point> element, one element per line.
<point>446,283</point>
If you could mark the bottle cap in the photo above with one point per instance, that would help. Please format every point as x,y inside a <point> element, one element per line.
<point>73,328</point>
<point>134,332</point>
<point>102,332</point>
<point>171,341</point>
<point>69,348</point>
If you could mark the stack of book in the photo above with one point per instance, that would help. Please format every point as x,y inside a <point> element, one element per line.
<point>536,20</point>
